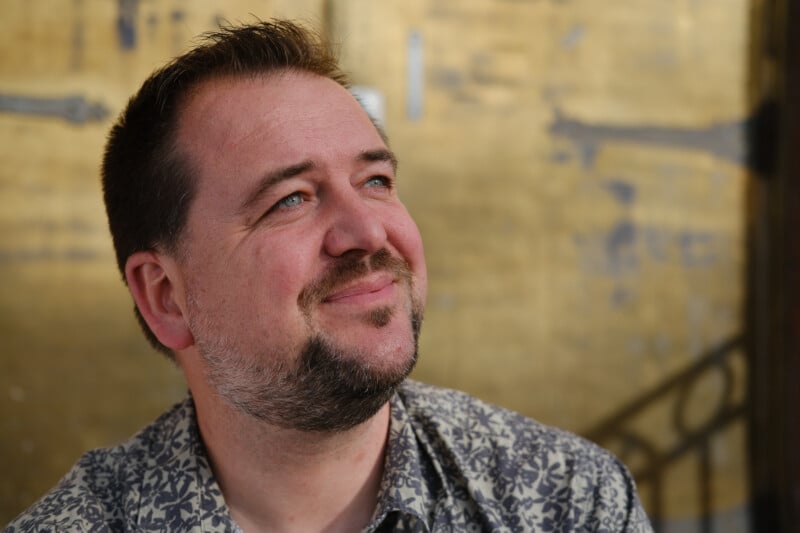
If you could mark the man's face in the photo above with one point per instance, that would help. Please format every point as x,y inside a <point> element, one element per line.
<point>305,275</point>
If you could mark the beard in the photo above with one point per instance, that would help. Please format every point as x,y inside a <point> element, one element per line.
<point>324,387</point>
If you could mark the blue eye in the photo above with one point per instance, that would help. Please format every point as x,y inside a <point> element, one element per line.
<point>378,181</point>
<point>292,200</point>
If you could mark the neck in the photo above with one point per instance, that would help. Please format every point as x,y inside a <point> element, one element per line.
<point>277,479</point>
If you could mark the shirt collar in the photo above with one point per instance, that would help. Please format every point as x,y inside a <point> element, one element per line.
<point>411,484</point>
<point>178,483</point>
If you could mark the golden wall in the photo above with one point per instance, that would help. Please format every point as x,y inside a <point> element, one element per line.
<point>576,169</point>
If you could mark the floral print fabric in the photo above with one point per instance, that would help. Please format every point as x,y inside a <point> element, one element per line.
<point>454,464</point>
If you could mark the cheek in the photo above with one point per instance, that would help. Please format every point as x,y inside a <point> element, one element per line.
<point>280,269</point>
<point>406,238</point>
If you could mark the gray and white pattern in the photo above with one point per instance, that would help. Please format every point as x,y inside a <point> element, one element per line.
<point>454,464</point>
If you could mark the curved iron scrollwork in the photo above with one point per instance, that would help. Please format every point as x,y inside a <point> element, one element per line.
<point>653,457</point>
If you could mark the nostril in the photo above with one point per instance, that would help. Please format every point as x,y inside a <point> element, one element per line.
<point>357,230</point>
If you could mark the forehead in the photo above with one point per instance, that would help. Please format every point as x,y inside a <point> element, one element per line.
<point>237,126</point>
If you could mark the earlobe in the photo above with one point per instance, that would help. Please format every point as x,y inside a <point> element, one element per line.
<point>154,292</point>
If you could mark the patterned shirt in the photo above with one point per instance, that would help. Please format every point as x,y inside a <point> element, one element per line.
<point>454,463</point>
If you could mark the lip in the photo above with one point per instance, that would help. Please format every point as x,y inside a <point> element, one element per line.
<point>364,291</point>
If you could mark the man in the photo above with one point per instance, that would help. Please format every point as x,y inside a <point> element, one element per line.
<point>253,208</point>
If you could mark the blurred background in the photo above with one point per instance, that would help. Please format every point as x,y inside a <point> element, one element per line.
<point>603,192</point>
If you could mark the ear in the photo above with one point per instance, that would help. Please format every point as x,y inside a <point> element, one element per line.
<point>153,282</point>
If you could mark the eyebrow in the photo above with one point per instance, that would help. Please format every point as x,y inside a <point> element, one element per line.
<point>272,179</point>
<point>282,174</point>
<point>380,154</point>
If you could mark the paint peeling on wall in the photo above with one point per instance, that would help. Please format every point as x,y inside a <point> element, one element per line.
<point>573,37</point>
<point>177,16</point>
<point>126,23</point>
<point>78,30</point>
<point>39,255</point>
<point>620,250</point>
<point>75,109</point>
<point>415,75</point>
<point>725,140</point>
<point>623,192</point>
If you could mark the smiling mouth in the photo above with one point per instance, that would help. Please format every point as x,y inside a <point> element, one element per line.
<point>357,281</point>
<point>365,291</point>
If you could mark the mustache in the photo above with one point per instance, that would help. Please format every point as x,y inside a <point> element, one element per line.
<point>348,269</point>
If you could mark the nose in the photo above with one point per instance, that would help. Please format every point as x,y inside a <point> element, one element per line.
<point>354,226</point>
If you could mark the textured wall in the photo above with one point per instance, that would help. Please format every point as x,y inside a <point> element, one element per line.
<point>578,177</point>
<point>576,173</point>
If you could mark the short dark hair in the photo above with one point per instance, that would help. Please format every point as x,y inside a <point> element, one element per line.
<point>147,181</point>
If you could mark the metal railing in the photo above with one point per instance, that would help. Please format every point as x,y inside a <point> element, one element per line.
<point>692,437</point>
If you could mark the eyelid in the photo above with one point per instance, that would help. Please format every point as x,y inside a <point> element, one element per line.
<point>275,208</point>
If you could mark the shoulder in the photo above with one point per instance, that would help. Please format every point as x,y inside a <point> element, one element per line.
<point>103,483</point>
<point>512,462</point>
<point>460,417</point>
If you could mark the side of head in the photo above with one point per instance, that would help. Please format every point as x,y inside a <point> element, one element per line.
<point>148,182</point>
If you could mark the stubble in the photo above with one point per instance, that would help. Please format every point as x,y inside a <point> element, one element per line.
<point>323,387</point>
